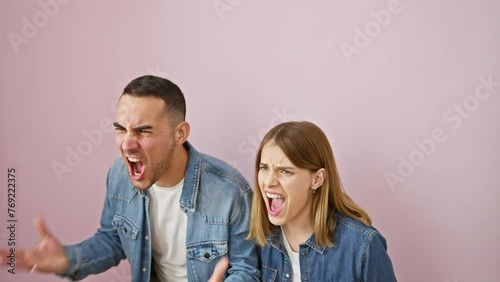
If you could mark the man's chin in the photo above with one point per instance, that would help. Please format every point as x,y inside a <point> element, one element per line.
<point>141,185</point>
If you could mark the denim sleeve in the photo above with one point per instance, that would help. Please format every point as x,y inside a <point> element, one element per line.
<point>242,253</point>
<point>377,266</point>
<point>96,254</point>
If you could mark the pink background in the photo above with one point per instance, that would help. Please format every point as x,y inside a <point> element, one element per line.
<point>247,67</point>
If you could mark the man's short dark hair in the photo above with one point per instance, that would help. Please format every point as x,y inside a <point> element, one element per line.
<point>169,92</point>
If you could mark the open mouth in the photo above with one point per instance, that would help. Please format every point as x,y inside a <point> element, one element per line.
<point>275,203</point>
<point>136,168</point>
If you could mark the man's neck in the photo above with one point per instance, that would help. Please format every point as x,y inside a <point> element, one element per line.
<point>177,169</point>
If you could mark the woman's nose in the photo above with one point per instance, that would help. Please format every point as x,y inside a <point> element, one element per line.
<point>270,179</point>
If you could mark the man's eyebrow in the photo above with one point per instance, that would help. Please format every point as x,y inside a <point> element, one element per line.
<point>117,125</point>
<point>143,127</point>
<point>138,128</point>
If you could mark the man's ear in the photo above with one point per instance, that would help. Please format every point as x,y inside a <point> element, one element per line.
<point>182,132</point>
<point>318,178</point>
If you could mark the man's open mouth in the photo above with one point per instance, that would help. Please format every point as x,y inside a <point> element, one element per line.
<point>136,168</point>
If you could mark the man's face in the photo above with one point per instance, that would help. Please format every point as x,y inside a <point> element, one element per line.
<point>145,139</point>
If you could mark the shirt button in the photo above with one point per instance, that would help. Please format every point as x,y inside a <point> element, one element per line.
<point>144,269</point>
<point>147,237</point>
<point>287,275</point>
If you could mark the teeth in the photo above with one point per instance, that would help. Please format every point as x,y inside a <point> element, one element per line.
<point>274,196</point>
<point>133,160</point>
<point>136,173</point>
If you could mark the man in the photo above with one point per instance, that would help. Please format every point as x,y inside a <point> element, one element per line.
<point>171,211</point>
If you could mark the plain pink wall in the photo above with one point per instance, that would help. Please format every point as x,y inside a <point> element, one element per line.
<point>394,84</point>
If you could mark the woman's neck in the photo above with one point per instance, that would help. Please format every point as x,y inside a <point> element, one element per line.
<point>297,234</point>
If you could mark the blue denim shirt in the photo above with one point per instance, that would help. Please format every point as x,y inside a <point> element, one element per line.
<point>359,254</point>
<point>216,199</point>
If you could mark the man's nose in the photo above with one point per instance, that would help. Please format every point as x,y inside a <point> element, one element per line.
<point>129,143</point>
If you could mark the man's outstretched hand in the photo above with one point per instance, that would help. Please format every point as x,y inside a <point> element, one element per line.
<point>47,257</point>
<point>219,271</point>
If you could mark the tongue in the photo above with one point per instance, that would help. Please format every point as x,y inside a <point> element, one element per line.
<point>137,170</point>
<point>276,204</point>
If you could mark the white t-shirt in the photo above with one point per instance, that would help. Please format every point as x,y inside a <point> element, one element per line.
<point>294,257</point>
<point>168,233</point>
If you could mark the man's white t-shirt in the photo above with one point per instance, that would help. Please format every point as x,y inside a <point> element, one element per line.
<point>168,233</point>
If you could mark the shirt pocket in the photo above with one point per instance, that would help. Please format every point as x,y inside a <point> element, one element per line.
<point>125,227</point>
<point>268,274</point>
<point>206,251</point>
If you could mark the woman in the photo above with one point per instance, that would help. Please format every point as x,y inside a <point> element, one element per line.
<point>307,227</point>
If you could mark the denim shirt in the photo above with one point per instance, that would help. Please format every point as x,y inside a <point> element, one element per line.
<point>216,199</point>
<point>359,254</point>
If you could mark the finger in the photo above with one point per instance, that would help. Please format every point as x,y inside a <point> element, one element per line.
<point>220,270</point>
<point>40,227</point>
<point>24,259</point>
<point>5,255</point>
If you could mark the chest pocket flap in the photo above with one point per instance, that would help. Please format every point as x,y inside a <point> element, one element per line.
<point>125,226</point>
<point>207,251</point>
<point>269,274</point>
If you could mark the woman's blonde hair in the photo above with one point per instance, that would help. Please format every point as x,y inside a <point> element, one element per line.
<point>307,147</point>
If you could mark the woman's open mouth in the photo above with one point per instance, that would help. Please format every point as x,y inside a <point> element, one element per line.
<point>275,203</point>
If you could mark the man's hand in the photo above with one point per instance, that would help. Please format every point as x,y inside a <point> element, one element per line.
<point>220,270</point>
<point>47,257</point>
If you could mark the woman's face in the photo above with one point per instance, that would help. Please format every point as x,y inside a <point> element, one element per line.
<point>286,189</point>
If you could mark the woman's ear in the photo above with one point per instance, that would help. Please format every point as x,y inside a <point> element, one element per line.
<point>182,132</point>
<point>318,178</point>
